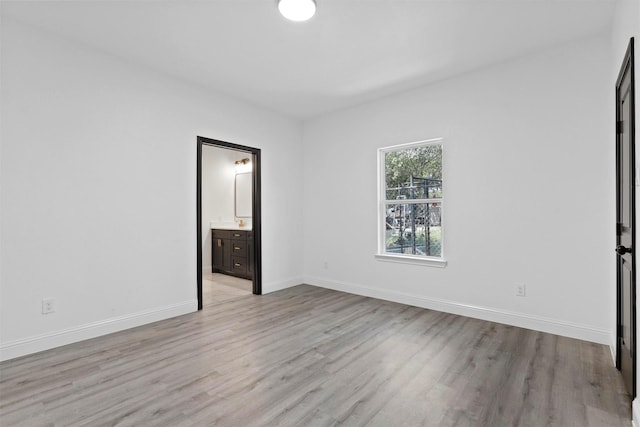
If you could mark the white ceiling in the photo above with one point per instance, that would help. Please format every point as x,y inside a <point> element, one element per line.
<point>351,52</point>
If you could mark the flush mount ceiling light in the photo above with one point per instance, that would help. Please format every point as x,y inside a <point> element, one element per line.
<point>297,10</point>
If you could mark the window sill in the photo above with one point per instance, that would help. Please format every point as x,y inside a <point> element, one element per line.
<point>408,259</point>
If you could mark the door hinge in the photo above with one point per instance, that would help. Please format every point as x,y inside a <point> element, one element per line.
<point>618,228</point>
<point>619,332</point>
<point>619,127</point>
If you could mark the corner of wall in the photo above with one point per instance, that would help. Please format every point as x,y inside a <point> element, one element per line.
<point>269,287</point>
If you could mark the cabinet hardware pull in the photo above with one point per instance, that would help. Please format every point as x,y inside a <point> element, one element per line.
<point>237,265</point>
<point>236,248</point>
<point>236,235</point>
<point>219,243</point>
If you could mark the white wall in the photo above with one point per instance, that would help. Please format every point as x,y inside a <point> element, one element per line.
<point>528,179</point>
<point>98,190</point>
<point>218,177</point>
<point>626,24</point>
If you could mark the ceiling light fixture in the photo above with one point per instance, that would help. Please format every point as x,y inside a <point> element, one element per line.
<point>297,10</point>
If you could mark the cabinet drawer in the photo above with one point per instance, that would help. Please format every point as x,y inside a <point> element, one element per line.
<point>221,234</point>
<point>239,264</point>
<point>239,248</point>
<point>238,235</point>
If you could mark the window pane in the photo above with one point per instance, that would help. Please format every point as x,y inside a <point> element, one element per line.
<point>413,228</point>
<point>414,173</point>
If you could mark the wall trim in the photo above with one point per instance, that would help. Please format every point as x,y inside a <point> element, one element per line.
<point>280,285</point>
<point>536,323</point>
<point>635,413</point>
<point>37,343</point>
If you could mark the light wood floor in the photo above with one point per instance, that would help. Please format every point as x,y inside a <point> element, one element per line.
<point>308,356</point>
<point>218,287</point>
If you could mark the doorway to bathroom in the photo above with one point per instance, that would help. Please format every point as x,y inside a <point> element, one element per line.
<point>228,219</point>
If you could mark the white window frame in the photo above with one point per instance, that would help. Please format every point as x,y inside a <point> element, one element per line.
<point>434,261</point>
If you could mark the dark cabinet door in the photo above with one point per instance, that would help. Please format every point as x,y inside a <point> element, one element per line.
<point>216,254</point>
<point>226,254</point>
<point>221,250</point>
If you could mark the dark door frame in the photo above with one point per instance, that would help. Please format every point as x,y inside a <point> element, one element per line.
<point>257,212</point>
<point>627,66</point>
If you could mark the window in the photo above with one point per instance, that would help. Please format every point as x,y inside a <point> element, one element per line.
<point>410,203</point>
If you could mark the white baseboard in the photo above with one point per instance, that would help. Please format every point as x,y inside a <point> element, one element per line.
<point>34,344</point>
<point>635,413</point>
<point>537,323</point>
<point>283,284</point>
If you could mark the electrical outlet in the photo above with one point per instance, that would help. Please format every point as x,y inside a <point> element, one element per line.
<point>521,290</point>
<point>48,305</point>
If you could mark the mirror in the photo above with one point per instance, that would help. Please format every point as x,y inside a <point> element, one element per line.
<point>243,195</point>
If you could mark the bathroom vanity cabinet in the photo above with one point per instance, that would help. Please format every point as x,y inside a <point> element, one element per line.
<point>232,252</point>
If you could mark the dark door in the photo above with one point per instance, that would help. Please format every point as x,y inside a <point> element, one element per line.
<point>625,213</point>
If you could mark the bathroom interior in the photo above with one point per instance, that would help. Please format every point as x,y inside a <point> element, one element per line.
<point>227,177</point>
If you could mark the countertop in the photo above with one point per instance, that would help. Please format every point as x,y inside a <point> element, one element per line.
<point>229,226</point>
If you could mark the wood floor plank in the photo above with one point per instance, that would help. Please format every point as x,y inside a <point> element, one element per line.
<point>308,356</point>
